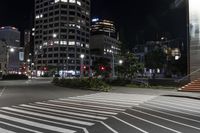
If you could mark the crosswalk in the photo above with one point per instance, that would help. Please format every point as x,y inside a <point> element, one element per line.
<point>166,115</point>
<point>104,113</point>
<point>69,115</point>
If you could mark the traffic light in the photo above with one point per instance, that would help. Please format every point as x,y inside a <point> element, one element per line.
<point>45,68</point>
<point>102,68</point>
<point>84,67</point>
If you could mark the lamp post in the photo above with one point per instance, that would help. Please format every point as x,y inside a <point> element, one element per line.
<point>8,51</point>
<point>32,65</point>
<point>54,37</point>
<point>120,62</point>
<point>82,56</point>
<point>113,66</point>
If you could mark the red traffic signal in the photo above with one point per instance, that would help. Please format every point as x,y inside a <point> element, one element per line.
<point>102,68</point>
<point>84,67</point>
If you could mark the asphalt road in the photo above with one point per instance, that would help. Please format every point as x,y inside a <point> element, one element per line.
<point>22,92</point>
<point>39,107</point>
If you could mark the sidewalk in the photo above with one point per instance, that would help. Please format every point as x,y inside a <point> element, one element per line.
<point>155,92</point>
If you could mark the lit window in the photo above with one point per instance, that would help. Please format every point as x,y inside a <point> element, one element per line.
<point>72,1</point>
<point>78,43</point>
<point>87,46</point>
<point>64,0</point>
<point>71,43</point>
<point>79,3</point>
<point>78,26</point>
<point>56,1</point>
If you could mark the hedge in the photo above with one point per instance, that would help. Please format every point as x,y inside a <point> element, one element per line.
<point>15,77</point>
<point>87,84</point>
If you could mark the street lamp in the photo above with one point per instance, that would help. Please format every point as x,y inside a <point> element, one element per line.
<point>113,65</point>
<point>54,35</point>
<point>120,62</point>
<point>12,50</point>
<point>28,60</point>
<point>82,56</point>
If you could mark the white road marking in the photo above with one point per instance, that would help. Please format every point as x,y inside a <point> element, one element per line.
<point>105,101</point>
<point>50,117</point>
<point>5,131</point>
<point>158,106</point>
<point>187,100</point>
<point>66,112</point>
<point>84,105</point>
<point>2,91</point>
<point>179,123</point>
<point>103,123</point>
<point>184,107</point>
<point>26,129</point>
<point>115,99</point>
<point>178,116</point>
<point>36,124</point>
<point>190,103</point>
<point>139,129</point>
<point>43,120</point>
<point>87,110</point>
<point>170,129</point>
<point>98,103</point>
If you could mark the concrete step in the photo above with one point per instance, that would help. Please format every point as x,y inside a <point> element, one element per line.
<point>194,86</point>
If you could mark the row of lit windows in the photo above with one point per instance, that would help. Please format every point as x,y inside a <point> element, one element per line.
<point>69,43</point>
<point>52,9</point>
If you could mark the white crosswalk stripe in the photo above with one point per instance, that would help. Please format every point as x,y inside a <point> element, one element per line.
<point>5,131</point>
<point>68,115</point>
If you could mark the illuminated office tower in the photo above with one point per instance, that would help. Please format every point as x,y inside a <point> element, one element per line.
<point>62,34</point>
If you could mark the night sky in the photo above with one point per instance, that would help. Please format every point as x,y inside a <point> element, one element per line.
<point>137,20</point>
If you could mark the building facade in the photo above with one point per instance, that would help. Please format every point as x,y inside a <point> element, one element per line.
<point>105,27</point>
<point>3,58</point>
<point>104,41</point>
<point>105,46</point>
<point>62,34</point>
<point>11,37</point>
<point>193,39</point>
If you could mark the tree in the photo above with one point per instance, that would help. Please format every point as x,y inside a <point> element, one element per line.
<point>155,59</point>
<point>101,67</point>
<point>131,67</point>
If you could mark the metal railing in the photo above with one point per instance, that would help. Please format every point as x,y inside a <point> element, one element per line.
<point>186,78</point>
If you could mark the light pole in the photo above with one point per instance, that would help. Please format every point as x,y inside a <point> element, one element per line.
<point>113,65</point>
<point>120,62</point>
<point>29,65</point>
<point>82,56</point>
<point>54,37</point>
<point>32,65</point>
<point>8,51</point>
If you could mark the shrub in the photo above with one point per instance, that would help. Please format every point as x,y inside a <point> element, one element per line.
<point>118,82</point>
<point>89,84</point>
<point>15,77</point>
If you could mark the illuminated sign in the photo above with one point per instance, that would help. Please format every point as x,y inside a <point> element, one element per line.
<point>21,56</point>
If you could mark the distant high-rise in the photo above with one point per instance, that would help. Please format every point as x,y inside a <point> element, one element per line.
<point>27,43</point>
<point>62,34</point>
<point>11,37</point>
<point>103,26</point>
<point>103,38</point>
